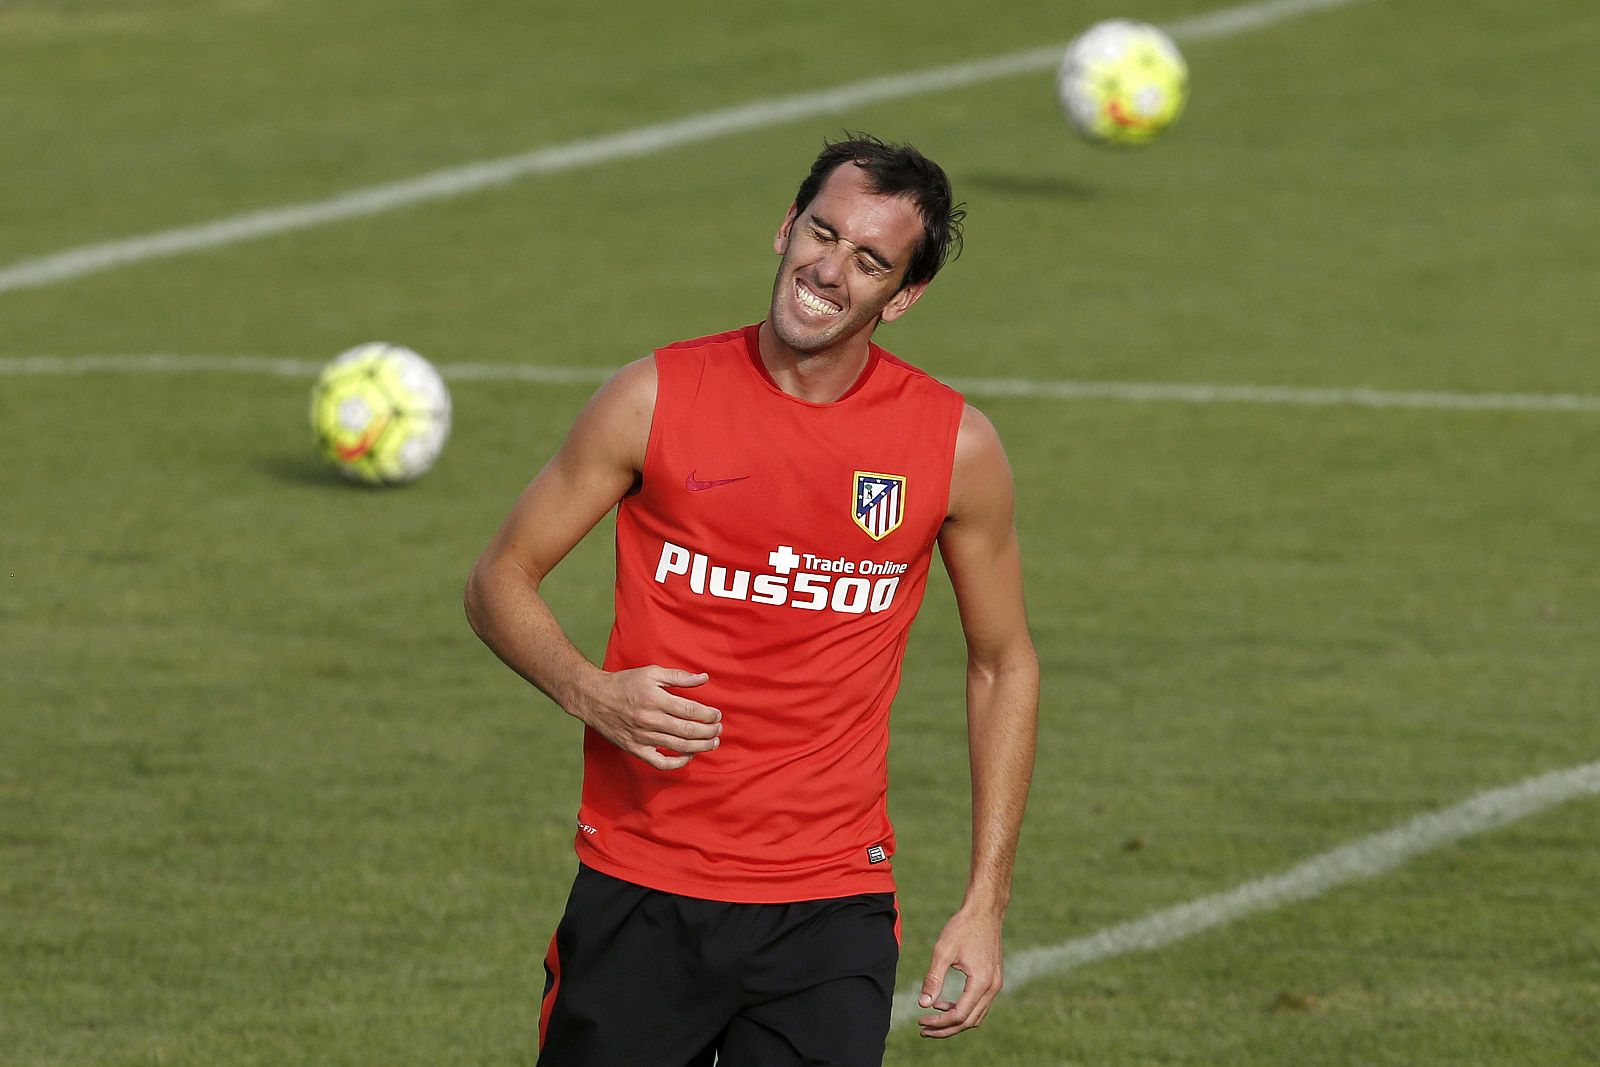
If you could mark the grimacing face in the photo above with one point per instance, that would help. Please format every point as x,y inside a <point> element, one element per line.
<point>843,259</point>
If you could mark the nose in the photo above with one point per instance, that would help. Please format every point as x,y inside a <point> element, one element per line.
<point>831,264</point>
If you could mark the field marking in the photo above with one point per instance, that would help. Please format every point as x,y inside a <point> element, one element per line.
<point>988,388</point>
<point>1300,396</point>
<point>1362,859</point>
<point>468,178</point>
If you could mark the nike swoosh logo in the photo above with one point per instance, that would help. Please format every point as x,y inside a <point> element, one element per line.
<point>351,453</point>
<point>695,485</point>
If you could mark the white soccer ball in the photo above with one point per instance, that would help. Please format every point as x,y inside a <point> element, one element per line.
<point>380,413</point>
<point>1122,82</point>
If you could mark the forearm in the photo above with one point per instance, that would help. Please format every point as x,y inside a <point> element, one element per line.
<point>508,613</point>
<point>1002,727</point>
<point>639,710</point>
<point>1002,717</point>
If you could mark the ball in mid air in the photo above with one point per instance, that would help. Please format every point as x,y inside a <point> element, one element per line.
<point>1122,82</point>
<point>380,413</point>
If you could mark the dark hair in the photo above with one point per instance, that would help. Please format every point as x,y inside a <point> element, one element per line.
<point>897,170</point>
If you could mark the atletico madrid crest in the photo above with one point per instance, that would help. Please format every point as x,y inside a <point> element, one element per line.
<point>880,503</point>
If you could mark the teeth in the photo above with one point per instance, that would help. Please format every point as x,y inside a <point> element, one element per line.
<point>814,302</point>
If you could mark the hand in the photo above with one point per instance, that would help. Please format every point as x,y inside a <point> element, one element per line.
<point>634,711</point>
<point>970,942</point>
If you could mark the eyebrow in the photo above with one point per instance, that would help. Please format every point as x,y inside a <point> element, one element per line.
<point>866,250</point>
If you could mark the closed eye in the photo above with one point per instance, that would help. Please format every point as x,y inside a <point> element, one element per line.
<point>869,261</point>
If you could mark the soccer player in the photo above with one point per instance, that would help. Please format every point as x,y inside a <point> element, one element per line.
<point>779,492</point>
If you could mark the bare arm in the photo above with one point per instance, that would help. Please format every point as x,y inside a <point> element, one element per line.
<point>595,467</point>
<point>979,546</point>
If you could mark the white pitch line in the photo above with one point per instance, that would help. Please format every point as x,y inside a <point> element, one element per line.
<point>279,367</point>
<point>989,388</point>
<point>1365,858</point>
<point>468,178</point>
<point>1197,393</point>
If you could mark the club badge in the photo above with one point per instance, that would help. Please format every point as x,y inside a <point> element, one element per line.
<point>879,503</point>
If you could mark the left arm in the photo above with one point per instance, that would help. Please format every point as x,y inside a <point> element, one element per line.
<point>979,545</point>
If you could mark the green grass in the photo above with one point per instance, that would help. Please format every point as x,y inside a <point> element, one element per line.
<point>265,800</point>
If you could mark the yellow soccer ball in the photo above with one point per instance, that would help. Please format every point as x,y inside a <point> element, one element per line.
<point>1122,82</point>
<point>380,414</point>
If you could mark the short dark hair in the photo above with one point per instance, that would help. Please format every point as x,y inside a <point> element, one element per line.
<point>897,170</point>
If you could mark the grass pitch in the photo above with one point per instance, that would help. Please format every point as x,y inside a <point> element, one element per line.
<point>264,800</point>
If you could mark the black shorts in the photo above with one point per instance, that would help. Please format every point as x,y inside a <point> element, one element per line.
<point>640,978</point>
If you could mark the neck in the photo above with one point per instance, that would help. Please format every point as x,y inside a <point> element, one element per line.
<point>819,377</point>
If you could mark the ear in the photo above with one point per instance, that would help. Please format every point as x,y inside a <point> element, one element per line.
<point>901,302</point>
<point>780,243</point>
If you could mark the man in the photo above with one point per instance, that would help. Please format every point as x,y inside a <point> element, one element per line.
<point>779,490</point>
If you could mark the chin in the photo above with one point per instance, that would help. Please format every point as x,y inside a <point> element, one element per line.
<point>810,342</point>
<point>794,335</point>
<point>803,336</point>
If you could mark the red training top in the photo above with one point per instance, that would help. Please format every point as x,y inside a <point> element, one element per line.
<point>782,547</point>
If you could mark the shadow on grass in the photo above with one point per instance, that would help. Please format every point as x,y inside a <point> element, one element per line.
<point>305,470</point>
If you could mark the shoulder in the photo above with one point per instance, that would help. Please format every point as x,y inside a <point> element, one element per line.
<point>976,436</point>
<point>617,418</point>
<point>634,381</point>
<point>630,393</point>
<point>980,479</point>
<point>614,426</point>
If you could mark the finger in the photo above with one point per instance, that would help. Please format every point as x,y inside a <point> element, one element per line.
<point>933,981</point>
<point>967,1011</point>
<point>678,679</point>
<point>684,708</point>
<point>674,743</point>
<point>664,722</point>
<point>942,1031</point>
<point>978,993</point>
<point>677,726</point>
<point>661,761</point>
<point>947,1023</point>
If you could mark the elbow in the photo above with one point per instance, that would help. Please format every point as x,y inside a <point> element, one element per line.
<point>497,589</point>
<point>1016,661</point>
<point>474,598</point>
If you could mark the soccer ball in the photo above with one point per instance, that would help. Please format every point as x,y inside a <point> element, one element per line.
<point>381,414</point>
<point>1122,82</point>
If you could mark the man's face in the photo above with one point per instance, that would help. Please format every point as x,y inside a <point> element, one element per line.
<point>843,259</point>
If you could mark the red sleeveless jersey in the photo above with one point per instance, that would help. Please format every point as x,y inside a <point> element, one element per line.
<point>782,547</point>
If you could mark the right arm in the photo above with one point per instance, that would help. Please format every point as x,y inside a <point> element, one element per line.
<point>598,464</point>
